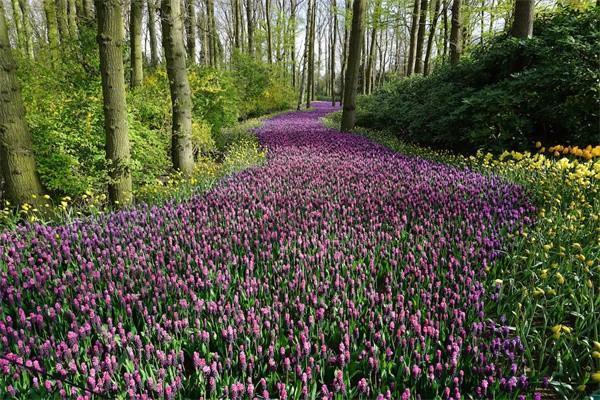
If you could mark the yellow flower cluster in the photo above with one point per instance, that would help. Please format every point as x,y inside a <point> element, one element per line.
<point>587,152</point>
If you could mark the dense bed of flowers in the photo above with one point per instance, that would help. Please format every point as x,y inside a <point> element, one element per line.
<point>339,269</point>
<point>550,277</point>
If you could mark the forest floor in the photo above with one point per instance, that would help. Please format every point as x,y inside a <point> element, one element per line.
<point>339,266</point>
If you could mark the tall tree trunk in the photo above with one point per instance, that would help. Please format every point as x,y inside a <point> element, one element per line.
<point>154,58</point>
<point>236,24</point>
<point>27,28</point>
<point>434,21</point>
<point>332,50</point>
<point>456,33</point>
<point>110,41</point>
<point>347,12</point>
<point>181,101</point>
<point>17,163</point>
<point>522,26</point>
<point>446,37</point>
<point>421,37</point>
<point>212,33</point>
<point>203,33</point>
<point>72,18</point>
<point>250,23</point>
<point>51,27</point>
<point>135,43</point>
<point>306,53</point>
<point>311,51</point>
<point>414,29</point>
<point>190,30</point>
<point>269,36</point>
<point>373,46</point>
<point>356,37</point>
<point>63,21</point>
<point>293,6</point>
<point>18,21</point>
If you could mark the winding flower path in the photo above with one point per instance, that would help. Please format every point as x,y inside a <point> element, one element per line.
<point>339,268</point>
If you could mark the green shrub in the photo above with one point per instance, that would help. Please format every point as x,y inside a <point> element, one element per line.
<point>507,94</point>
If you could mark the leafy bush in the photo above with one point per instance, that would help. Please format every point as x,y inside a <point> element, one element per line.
<point>261,87</point>
<point>507,94</point>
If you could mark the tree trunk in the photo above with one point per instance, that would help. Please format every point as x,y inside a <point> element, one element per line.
<point>154,57</point>
<point>110,41</point>
<point>434,21</point>
<point>190,30</point>
<point>27,28</point>
<point>135,43</point>
<point>62,20</point>
<point>373,46</point>
<point>269,38</point>
<point>522,26</point>
<point>18,21</point>
<point>311,51</point>
<point>212,33</point>
<point>250,22</point>
<point>72,18</point>
<point>332,50</point>
<point>236,23</point>
<point>356,37</point>
<point>347,12</point>
<point>17,163</point>
<point>456,33</point>
<point>421,37</point>
<point>181,101</point>
<point>293,6</point>
<point>306,53</point>
<point>414,29</point>
<point>51,28</point>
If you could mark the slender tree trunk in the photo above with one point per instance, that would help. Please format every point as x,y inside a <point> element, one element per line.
<point>63,21</point>
<point>51,27</point>
<point>72,18</point>
<point>190,30</point>
<point>356,37</point>
<point>446,36</point>
<point>269,35</point>
<point>154,57</point>
<point>456,33</point>
<point>311,51</point>
<point>414,29</point>
<point>522,26</point>
<point>250,24</point>
<point>110,41</point>
<point>434,21</point>
<point>373,46</point>
<point>17,163</point>
<point>347,12</point>
<point>421,37</point>
<point>332,50</point>
<point>236,23</point>
<point>293,6</point>
<point>306,53</point>
<point>135,43</point>
<point>27,29</point>
<point>18,21</point>
<point>212,33</point>
<point>181,101</point>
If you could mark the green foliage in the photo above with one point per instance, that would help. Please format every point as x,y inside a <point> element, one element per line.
<point>507,94</point>
<point>64,106</point>
<point>261,87</point>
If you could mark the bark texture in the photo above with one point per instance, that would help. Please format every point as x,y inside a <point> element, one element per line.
<point>421,37</point>
<point>17,163</point>
<point>414,29</point>
<point>181,101</point>
<point>135,43</point>
<point>110,41</point>
<point>190,31</point>
<point>522,26</point>
<point>456,40</point>
<point>154,57</point>
<point>354,50</point>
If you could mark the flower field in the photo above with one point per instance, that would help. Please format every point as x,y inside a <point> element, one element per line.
<point>339,269</point>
